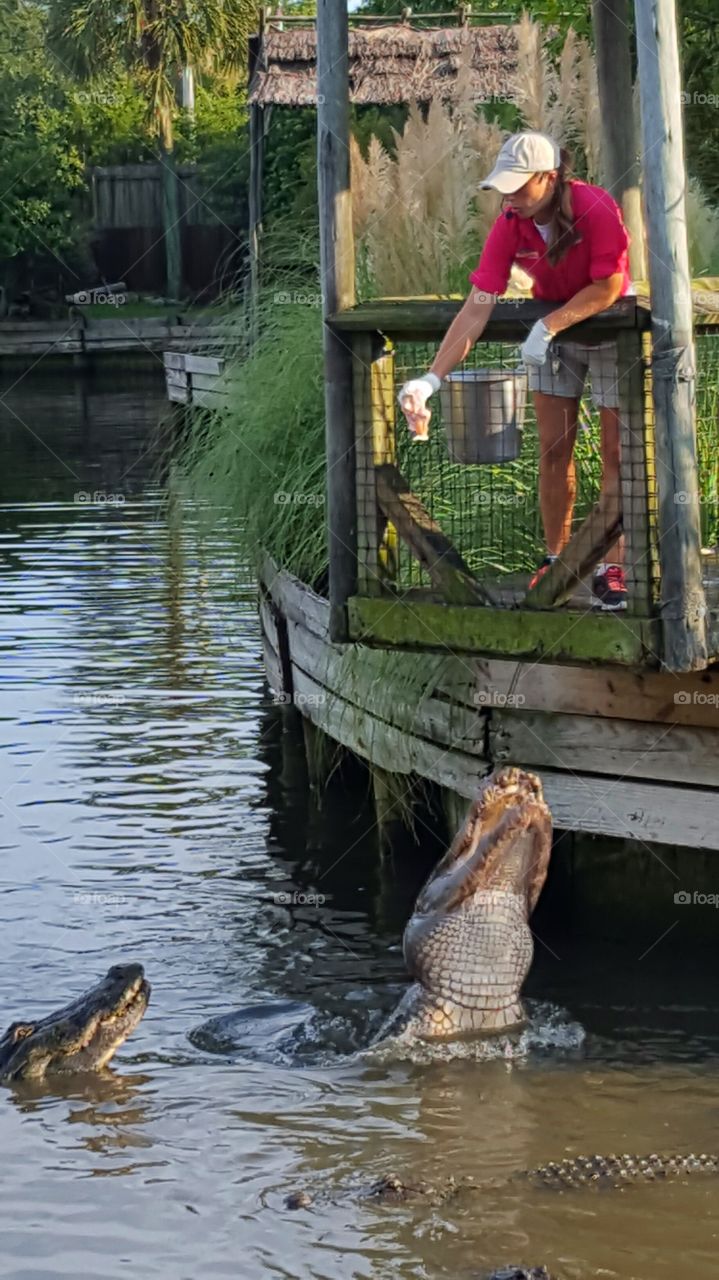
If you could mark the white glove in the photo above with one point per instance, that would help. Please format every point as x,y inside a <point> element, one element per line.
<point>536,345</point>
<point>416,393</point>
<point>420,387</point>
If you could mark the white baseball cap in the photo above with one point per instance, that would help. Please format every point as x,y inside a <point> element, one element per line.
<point>522,155</point>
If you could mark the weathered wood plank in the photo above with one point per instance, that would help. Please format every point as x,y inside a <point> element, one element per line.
<point>524,633</point>
<point>207,382</point>
<point>204,364</point>
<point>509,322</point>
<point>178,395</point>
<point>373,680</point>
<point>646,811</point>
<point>625,748</point>
<point>383,744</point>
<point>426,540</point>
<point>691,699</point>
<point>643,811</point>
<point>584,550</point>
<point>273,667</point>
<point>209,399</point>
<point>295,598</point>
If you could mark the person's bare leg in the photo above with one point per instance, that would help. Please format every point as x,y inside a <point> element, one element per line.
<point>557,426</point>
<point>611,483</point>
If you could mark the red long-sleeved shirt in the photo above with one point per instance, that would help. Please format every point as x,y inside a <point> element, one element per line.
<point>601,252</point>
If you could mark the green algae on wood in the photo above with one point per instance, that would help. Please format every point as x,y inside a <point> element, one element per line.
<point>565,635</point>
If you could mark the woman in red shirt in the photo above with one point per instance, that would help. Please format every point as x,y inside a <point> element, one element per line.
<point>570,238</point>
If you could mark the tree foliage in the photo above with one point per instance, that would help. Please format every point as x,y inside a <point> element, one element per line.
<point>40,163</point>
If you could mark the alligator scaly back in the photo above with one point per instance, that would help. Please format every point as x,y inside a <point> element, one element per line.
<point>618,1171</point>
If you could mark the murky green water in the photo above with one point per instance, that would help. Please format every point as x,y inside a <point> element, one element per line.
<point>154,807</point>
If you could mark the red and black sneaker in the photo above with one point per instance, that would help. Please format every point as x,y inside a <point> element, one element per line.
<point>610,588</point>
<point>546,563</point>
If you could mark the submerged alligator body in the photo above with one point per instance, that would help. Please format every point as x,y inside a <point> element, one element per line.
<point>618,1171</point>
<point>82,1036</point>
<point>573,1174</point>
<point>468,945</point>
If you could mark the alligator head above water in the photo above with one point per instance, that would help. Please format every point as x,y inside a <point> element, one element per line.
<point>468,945</point>
<point>82,1036</point>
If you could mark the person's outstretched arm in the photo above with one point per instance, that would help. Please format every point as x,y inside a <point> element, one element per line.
<point>466,329</point>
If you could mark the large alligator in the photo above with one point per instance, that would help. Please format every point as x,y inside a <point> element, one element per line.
<point>468,945</point>
<point>82,1036</point>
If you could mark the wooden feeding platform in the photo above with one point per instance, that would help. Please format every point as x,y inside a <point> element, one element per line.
<point>440,683</point>
<point>457,607</point>
<point>427,657</point>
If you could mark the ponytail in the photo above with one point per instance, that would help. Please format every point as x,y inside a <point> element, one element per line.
<point>563,232</point>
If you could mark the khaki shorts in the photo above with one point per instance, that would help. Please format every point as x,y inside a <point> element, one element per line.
<point>565,370</point>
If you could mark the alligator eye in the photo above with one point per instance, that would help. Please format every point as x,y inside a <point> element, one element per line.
<point>21,1031</point>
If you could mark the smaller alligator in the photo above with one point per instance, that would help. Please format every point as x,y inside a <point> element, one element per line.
<point>520,1273</point>
<point>82,1036</point>
<point>573,1174</point>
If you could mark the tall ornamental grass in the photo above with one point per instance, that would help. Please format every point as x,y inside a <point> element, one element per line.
<point>263,460</point>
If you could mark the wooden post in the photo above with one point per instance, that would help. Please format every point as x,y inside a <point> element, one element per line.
<point>338,292</point>
<point>610,19</point>
<point>259,120</point>
<point>683,605</point>
<point>374,416</point>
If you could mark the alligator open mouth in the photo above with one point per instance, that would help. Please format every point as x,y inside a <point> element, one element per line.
<point>468,945</point>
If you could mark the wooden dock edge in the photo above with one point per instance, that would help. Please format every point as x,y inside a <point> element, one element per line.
<point>523,633</point>
<point>621,753</point>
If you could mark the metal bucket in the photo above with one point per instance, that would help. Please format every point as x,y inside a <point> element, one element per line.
<point>483,412</point>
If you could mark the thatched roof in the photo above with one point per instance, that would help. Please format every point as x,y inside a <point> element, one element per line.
<point>392,64</point>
